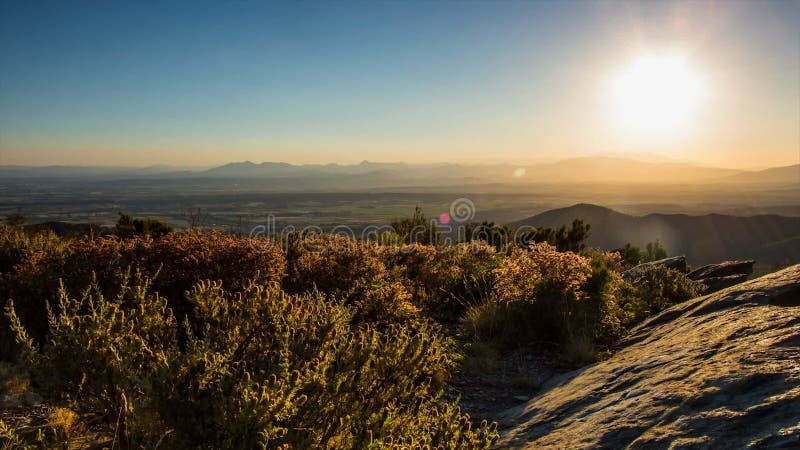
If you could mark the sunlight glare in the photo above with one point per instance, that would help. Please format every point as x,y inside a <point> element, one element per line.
<point>656,96</point>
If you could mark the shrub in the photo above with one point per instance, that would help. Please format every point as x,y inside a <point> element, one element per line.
<point>128,226</point>
<point>263,369</point>
<point>504,326</point>
<point>530,276</point>
<point>657,288</point>
<point>498,236</point>
<point>18,246</point>
<point>631,255</point>
<point>417,229</point>
<point>564,238</point>
<point>353,270</point>
<point>560,297</point>
<point>176,262</point>
<point>654,251</point>
<point>456,277</point>
<point>541,294</point>
<point>444,280</point>
<point>330,263</point>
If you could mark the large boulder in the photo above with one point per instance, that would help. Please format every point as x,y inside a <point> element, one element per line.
<point>718,371</point>
<point>722,269</point>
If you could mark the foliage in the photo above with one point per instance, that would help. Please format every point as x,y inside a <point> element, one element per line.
<point>657,288</point>
<point>18,246</point>
<point>631,255</point>
<point>416,229</point>
<point>128,226</point>
<point>542,271</point>
<point>444,280</point>
<point>560,297</point>
<point>260,369</point>
<point>572,238</point>
<point>654,251</point>
<point>194,339</point>
<point>176,262</point>
<point>346,268</point>
<point>498,236</point>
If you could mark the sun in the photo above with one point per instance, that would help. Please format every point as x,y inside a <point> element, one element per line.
<point>657,96</point>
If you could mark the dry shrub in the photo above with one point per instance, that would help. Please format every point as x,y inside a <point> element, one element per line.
<point>550,296</point>
<point>176,262</point>
<point>353,270</point>
<point>542,272</point>
<point>18,246</point>
<point>445,280</point>
<point>330,263</point>
<point>265,369</point>
<point>63,421</point>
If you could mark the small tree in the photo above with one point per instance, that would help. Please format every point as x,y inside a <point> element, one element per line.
<point>631,254</point>
<point>495,235</point>
<point>565,239</point>
<point>417,229</point>
<point>196,218</point>
<point>129,226</point>
<point>655,250</point>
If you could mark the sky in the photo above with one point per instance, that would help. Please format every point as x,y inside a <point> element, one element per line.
<point>206,83</point>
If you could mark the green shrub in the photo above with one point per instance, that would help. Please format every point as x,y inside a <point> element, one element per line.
<point>129,226</point>
<point>656,288</point>
<point>654,251</point>
<point>564,238</point>
<point>505,326</point>
<point>260,369</point>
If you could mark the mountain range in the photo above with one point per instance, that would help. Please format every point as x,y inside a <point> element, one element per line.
<point>375,175</point>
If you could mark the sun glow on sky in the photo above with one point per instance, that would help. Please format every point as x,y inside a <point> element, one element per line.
<point>136,83</point>
<point>656,96</point>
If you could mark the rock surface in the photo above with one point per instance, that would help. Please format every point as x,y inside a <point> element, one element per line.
<point>714,284</point>
<point>718,371</point>
<point>724,269</point>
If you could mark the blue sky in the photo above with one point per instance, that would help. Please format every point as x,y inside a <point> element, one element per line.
<point>197,83</point>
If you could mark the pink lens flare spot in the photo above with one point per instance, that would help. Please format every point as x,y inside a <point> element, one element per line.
<point>444,218</point>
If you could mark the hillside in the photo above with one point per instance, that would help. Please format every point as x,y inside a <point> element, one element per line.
<point>775,175</point>
<point>718,371</point>
<point>605,169</point>
<point>769,239</point>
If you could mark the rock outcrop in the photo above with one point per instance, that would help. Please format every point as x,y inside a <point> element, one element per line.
<point>714,284</point>
<point>722,275</point>
<point>713,276</point>
<point>723,269</point>
<point>718,371</point>
<point>675,262</point>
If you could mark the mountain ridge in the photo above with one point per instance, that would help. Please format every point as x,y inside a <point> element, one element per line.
<point>586,169</point>
<point>704,239</point>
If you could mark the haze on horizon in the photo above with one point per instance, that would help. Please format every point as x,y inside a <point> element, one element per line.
<point>203,84</point>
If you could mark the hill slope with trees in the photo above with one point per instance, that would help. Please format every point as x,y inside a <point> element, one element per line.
<point>769,239</point>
